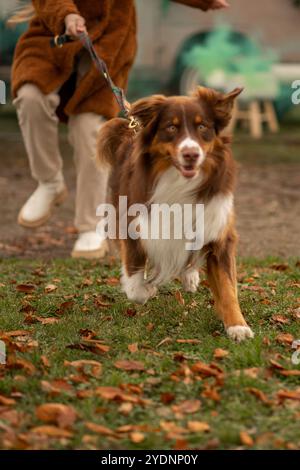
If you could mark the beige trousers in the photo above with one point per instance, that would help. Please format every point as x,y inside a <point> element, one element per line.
<point>39,126</point>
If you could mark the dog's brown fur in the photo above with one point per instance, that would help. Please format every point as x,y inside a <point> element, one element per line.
<point>137,162</point>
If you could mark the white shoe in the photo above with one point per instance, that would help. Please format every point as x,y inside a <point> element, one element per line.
<point>39,207</point>
<point>90,245</point>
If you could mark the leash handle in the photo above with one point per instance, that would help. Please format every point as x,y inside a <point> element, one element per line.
<point>60,41</point>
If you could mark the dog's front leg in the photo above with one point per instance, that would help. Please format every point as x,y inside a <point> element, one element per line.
<point>133,268</point>
<point>190,279</point>
<point>221,271</point>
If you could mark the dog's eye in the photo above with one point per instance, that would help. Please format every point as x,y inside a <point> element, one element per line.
<point>201,127</point>
<point>171,129</point>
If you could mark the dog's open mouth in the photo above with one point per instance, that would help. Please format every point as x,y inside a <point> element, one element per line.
<point>189,171</point>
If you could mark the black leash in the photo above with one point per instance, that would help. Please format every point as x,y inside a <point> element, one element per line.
<point>60,41</point>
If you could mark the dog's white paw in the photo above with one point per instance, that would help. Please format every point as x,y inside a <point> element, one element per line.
<point>136,289</point>
<point>190,280</point>
<point>240,333</point>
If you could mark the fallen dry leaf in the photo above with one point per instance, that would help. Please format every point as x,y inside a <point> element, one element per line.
<point>187,406</point>
<point>203,369</point>
<point>220,353</point>
<point>137,437</point>
<point>246,439</point>
<point>290,372</point>
<point>52,431</point>
<point>167,398</point>
<point>99,429</point>
<point>280,319</point>
<point>171,427</point>
<point>179,298</point>
<point>112,281</point>
<point>62,415</point>
<point>188,341</point>
<point>64,307</point>
<point>125,408</point>
<point>211,393</point>
<point>88,367</point>
<point>94,346</point>
<point>133,348</point>
<point>198,426</point>
<point>50,288</point>
<point>285,338</point>
<point>56,387</point>
<point>7,401</point>
<point>22,364</point>
<point>25,288</point>
<point>130,312</point>
<point>280,267</point>
<point>259,394</point>
<point>129,365</point>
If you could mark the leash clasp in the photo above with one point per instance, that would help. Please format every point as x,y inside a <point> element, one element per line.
<point>58,42</point>
<point>133,124</point>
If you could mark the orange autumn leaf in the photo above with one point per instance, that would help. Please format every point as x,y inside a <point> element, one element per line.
<point>198,426</point>
<point>7,401</point>
<point>52,431</point>
<point>280,319</point>
<point>56,387</point>
<point>137,437</point>
<point>88,367</point>
<point>259,394</point>
<point>220,353</point>
<point>290,372</point>
<point>285,338</point>
<point>246,439</point>
<point>112,281</point>
<point>62,415</point>
<point>288,395</point>
<point>211,393</point>
<point>45,361</point>
<point>125,408</point>
<point>50,288</point>
<point>179,298</point>
<point>99,429</point>
<point>22,364</point>
<point>187,407</point>
<point>188,341</point>
<point>17,333</point>
<point>171,427</point>
<point>129,365</point>
<point>203,369</point>
<point>133,348</point>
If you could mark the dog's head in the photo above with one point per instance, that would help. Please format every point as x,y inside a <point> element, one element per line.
<point>181,130</point>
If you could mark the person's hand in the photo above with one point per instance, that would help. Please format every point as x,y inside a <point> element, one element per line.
<point>218,4</point>
<point>75,25</point>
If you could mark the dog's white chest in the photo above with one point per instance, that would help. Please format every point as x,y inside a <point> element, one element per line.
<point>170,256</point>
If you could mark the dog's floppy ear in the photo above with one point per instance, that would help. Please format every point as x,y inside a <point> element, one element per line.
<point>147,109</point>
<point>221,103</point>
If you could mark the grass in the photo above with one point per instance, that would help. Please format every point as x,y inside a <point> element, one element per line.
<point>269,295</point>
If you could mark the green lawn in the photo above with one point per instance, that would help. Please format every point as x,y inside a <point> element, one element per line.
<point>178,394</point>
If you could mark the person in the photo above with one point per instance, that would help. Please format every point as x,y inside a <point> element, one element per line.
<point>51,84</point>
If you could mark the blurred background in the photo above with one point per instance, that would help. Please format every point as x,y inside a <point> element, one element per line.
<point>253,44</point>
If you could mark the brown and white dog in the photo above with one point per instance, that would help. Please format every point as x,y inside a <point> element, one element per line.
<point>178,156</point>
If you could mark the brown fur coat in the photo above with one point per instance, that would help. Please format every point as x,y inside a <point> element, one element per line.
<point>112,27</point>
